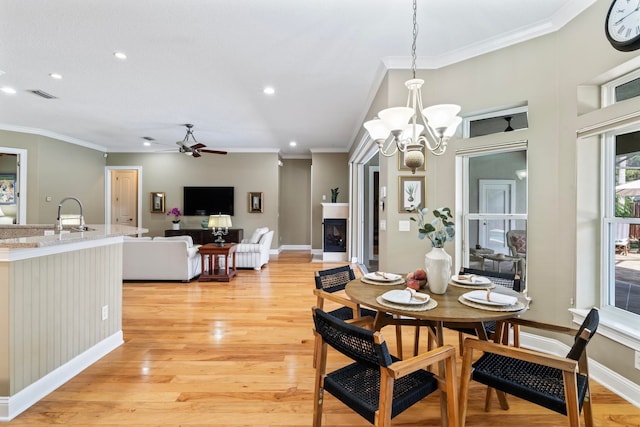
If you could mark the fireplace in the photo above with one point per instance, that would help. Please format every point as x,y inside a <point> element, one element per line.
<point>335,235</point>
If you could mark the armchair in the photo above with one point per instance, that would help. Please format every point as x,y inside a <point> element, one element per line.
<point>556,383</point>
<point>254,252</point>
<point>376,385</point>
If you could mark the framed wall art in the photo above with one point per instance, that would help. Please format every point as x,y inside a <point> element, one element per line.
<point>255,202</point>
<point>7,189</point>
<point>403,167</point>
<point>411,192</point>
<point>157,202</point>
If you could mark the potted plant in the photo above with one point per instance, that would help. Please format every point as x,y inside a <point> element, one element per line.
<point>439,231</point>
<point>176,217</point>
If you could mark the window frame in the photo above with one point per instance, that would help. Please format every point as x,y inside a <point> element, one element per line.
<point>608,90</point>
<point>608,221</point>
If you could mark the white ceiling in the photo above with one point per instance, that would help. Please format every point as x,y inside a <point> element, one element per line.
<point>206,62</point>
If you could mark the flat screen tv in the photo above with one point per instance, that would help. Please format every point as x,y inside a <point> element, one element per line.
<point>201,201</point>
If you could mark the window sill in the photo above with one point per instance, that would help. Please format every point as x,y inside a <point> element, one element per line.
<point>614,325</point>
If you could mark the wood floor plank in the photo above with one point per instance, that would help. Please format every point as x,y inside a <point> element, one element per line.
<point>239,354</point>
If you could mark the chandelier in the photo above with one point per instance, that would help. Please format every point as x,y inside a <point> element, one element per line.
<point>439,122</point>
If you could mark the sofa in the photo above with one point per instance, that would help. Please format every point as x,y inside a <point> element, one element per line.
<point>254,251</point>
<point>160,258</point>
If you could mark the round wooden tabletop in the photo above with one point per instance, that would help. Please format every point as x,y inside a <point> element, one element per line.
<point>449,308</point>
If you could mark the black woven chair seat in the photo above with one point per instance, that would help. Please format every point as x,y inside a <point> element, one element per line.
<point>530,381</point>
<point>346,313</point>
<point>358,386</point>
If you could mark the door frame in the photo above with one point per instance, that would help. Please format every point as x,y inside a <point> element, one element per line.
<point>107,191</point>
<point>21,181</point>
<point>482,184</point>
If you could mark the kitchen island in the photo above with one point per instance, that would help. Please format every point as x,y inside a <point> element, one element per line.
<point>60,306</point>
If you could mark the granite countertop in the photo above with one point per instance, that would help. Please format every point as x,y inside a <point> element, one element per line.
<point>32,235</point>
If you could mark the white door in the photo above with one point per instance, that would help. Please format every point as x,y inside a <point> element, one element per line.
<point>497,196</point>
<point>124,197</point>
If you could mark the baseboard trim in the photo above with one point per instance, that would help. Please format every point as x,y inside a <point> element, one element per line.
<point>295,247</point>
<point>613,381</point>
<point>12,406</point>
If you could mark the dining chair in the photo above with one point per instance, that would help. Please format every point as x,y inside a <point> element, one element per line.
<point>375,384</point>
<point>329,283</point>
<point>486,330</point>
<point>556,383</point>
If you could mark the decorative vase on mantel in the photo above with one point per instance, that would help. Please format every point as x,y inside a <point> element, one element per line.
<point>176,225</point>
<point>437,263</point>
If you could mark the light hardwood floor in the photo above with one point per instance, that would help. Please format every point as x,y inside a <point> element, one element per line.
<point>240,354</point>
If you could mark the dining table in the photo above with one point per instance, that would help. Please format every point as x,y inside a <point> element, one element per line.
<point>449,308</point>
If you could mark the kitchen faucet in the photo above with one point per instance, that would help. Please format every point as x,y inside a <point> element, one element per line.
<point>59,227</point>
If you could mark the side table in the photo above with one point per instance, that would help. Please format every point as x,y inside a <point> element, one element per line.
<point>211,270</point>
<point>499,258</point>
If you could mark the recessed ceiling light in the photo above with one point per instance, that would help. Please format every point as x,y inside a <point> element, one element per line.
<point>146,144</point>
<point>293,144</point>
<point>120,55</point>
<point>55,76</point>
<point>269,90</point>
<point>8,90</point>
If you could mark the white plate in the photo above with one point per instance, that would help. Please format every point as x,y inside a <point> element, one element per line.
<point>480,297</point>
<point>403,296</point>
<point>382,277</point>
<point>475,280</point>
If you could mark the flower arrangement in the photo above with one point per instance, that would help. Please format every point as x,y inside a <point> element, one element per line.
<point>440,230</point>
<point>176,215</point>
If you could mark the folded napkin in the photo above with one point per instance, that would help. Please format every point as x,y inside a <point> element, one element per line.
<point>473,278</point>
<point>494,297</point>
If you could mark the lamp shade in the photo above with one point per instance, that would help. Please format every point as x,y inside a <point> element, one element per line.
<point>377,130</point>
<point>396,118</point>
<point>408,132</point>
<point>441,116</point>
<point>219,221</point>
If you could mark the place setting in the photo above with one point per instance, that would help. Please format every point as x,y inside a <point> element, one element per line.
<point>485,299</point>
<point>471,281</point>
<point>407,299</point>
<point>382,278</point>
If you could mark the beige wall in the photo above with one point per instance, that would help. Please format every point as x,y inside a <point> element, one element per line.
<point>59,169</point>
<point>295,202</point>
<point>547,73</point>
<point>170,172</point>
<point>328,170</point>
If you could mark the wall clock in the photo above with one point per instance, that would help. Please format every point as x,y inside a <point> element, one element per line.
<point>622,25</point>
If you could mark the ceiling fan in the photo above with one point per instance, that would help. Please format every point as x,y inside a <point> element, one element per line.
<point>196,149</point>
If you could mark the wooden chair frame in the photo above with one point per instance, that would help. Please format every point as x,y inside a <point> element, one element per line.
<point>445,355</point>
<point>569,368</point>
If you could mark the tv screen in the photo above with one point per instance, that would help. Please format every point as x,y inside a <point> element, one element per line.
<point>201,201</point>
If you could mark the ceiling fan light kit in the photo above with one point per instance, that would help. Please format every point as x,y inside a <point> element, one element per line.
<point>401,123</point>
<point>196,149</point>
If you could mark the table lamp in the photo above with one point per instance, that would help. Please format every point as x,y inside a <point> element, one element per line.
<point>219,225</point>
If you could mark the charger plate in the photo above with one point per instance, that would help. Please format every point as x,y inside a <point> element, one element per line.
<point>429,305</point>
<point>379,283</point>
<point>515,307</point>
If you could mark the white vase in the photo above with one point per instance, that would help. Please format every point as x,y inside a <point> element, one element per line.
<point>437,263</point>
<point>176,225</point>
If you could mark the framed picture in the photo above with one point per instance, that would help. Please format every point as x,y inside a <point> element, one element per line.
<point>157,202</point>
<point>402,167</point>
<point>255,202</point>
<point>411,192</point>
<point>8,189</point>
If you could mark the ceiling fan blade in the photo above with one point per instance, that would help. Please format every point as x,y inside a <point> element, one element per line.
<point>213,151</point>
<point>198,145</point>
<point>195,153</point>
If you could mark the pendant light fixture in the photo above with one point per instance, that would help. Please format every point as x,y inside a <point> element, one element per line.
<point>439,122</point>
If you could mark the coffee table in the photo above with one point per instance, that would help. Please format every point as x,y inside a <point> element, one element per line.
<point>211,269</point>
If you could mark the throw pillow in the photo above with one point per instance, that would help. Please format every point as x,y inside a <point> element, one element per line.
<point>255,237</point>
<point>187,239</point>
<point>520,243</point>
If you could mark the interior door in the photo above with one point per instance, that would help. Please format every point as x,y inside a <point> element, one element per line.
<point>497,196</point>
<point>124,197</point>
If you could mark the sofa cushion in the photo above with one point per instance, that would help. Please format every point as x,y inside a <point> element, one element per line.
<point>260,231</point>
<point>187,239</point>
<point>138,239</point>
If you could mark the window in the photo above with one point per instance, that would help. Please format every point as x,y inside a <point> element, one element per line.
<point>495,209</point>
<point>621,222</point>
<point>622,88</point>
<point>496,122</point>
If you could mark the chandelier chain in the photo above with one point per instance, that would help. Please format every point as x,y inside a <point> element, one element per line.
<point>415,37</point>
